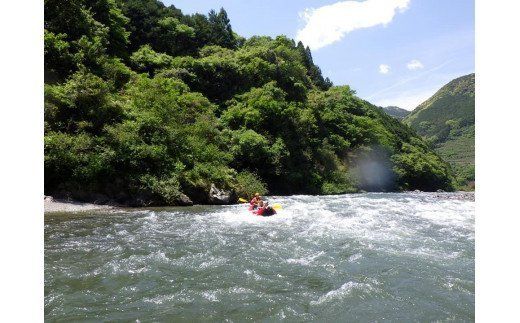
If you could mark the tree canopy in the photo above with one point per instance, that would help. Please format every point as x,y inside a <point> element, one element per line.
<point>147,106</point>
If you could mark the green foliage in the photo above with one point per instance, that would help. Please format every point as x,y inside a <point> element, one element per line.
<point>313,71</point>
<point>452,106</point>
<point>247,184</point>
<point>79,33</point>
<point>221,32</point>
<point>419,169</point>
<point>70,17</point>
<point>116,72</point>
<point>59,62</point>
<point>144,105</point>
<point>447,122</point>
<point>261,109</point>
<point>249,149</point>
<point>109,13</point>
<point>80,159</point>
<point>221,73</point>
<point>396,112</point>
<point>173,37</point>
<point>144,16</point>
<point>167,30</point>
<point>82,104</point>
<point>339,183</point>
<point>167,190</point>
<point>215,74</point>
<point>146,60</point>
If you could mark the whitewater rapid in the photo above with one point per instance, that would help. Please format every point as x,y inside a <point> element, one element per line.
<point>360,257</point>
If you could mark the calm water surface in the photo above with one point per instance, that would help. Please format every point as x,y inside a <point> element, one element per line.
<point>365,257</point>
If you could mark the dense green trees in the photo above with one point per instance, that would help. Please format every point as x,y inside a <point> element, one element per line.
<point>145,105</point>
<point>152,142</point>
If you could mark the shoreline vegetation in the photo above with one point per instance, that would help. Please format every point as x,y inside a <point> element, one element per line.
<point>147,106</point>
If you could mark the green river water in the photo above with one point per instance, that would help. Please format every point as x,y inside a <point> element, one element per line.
<point>347,258</point>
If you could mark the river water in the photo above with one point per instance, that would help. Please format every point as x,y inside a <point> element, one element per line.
<point>362,257</point>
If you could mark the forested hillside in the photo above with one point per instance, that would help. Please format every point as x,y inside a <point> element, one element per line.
<point>396,112</point>
<point>147,106</point>
<point>447,121</point>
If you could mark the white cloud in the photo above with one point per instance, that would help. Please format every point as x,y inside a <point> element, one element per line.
<point>414,65</point>
<point>328,24</point>
<point>403,82</point>
<point>384,69</point>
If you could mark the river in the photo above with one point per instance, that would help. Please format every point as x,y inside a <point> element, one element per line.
<point>360,257</point>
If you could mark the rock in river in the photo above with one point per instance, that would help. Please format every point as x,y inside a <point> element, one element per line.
<point>219,196</point>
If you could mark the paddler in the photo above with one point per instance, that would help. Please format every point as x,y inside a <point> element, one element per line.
<point>264,209</point>
<point>253,204</point>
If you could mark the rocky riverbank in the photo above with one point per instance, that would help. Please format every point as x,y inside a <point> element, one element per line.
<point>460,195</point>
<point>58,205</point>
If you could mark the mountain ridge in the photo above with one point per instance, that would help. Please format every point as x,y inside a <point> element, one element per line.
<point>447,121</point>
<point>396,112</point>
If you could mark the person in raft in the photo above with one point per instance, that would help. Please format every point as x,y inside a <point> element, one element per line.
<point>253,204</point>
<point>264,209</point>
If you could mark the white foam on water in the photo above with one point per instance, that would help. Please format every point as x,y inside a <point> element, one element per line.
<point>160,299</point>
<point>331,239</point>
<point>210,296</point>
<point>151,216</point>
<point>213,262</point>
<point>453,283</point>
<point>253,274</point>
<point>355,257</point>
<point>307,260</point>
<point>390,221</point>
<point>448,213</point>
<point>240,290</point>
<point>345,290</point>
<point>384,220</point>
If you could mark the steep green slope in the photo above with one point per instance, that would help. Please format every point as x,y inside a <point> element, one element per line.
<point>447,121</point>
<point>396,112</point>
<point>147,106</point>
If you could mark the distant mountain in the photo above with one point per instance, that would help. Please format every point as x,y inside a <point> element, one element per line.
<point>396,112</point>
<point>447,121</point>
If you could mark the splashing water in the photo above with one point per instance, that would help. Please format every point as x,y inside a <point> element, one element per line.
<point>361,257</point>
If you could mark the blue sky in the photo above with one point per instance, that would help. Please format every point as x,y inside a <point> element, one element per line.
<point>392,52</point>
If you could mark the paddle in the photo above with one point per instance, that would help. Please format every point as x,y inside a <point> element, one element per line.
<point>242,200</point>
<point>277,206</point>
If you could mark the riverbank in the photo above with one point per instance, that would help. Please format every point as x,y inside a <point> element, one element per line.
<point>459,195</point>
<point>52,205</point>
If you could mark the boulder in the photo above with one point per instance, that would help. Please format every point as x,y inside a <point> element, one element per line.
<point>184,200</point>
<point>219,196</point>
<point>48,198</point>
